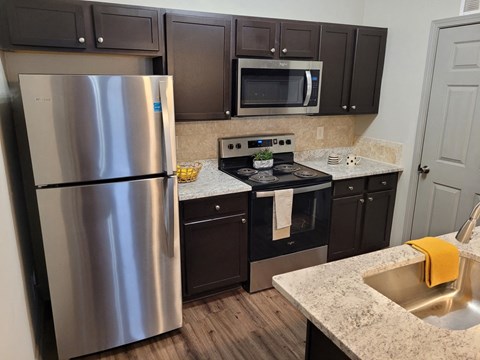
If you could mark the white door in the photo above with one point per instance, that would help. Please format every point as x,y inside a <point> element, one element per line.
<point>451,148</point>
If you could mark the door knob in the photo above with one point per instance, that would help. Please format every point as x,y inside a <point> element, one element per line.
<point>100,39</point>
<point>423,169</point>
<point>272,50</point>
<point>284,50</point>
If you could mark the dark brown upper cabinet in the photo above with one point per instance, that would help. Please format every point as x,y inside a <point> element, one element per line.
<point>353,61</point>
<point>126,27</point>
<point>46,23</point>
<point>72,25</point>
<point>273,39</point>
<point>198,57</point>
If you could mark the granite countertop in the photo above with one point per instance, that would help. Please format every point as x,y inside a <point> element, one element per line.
<point>366,167</point>
<point>364,323</point>
<point>211,182</point>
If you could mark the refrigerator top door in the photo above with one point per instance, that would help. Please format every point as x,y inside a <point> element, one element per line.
<point>87,127</point>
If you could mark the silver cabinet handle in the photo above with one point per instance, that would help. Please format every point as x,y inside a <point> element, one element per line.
<point>100,39</point>
<point>272,50</point>
<point>81,40</point>
<point>350,188</point>
<point>362,201</point>
<point>284,50</point>
<point>353,107</point>
<point>344,107</point>
<point>308,95</point>
<point>217,207</point>
<point>227,113</point>
<point>384,183</point>
<point>370,198</point>
<point>244,221</point>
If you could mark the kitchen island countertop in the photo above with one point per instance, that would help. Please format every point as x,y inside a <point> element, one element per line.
<point>363,323</point>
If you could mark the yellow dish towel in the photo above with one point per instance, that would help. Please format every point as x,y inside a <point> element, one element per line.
<point>441,260</point>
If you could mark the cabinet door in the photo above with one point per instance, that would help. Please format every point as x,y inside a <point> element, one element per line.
<point>377,220</point>
<point>367,70</point>
<point>345,229</point>
<point>215,253</point>
<point>46,23</point>
<point>298,40</point>
<point>336,52</point>
<point>198,57</point>
<point>126,27</point>
<point>256,38</point>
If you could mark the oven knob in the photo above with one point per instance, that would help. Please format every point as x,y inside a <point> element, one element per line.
<point>281,142</point>
<point>230,146</point>
<point>238,146</point>
<point>288,142</point>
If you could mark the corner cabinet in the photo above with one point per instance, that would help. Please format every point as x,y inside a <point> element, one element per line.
<point>276,39</point>
<point>214,243</point>
<point>362,214</point>
<point>353,59</point>
<point>198,57</point>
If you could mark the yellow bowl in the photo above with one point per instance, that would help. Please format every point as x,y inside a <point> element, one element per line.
<point>188,171</point>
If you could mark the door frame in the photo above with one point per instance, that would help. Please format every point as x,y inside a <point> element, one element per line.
<point>435,28</point>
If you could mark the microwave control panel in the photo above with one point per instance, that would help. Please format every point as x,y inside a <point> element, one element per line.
<point>315,88</point>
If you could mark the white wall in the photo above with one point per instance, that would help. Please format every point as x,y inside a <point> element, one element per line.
<point>341,11</point>
<point>16,338</point>
<point>408,23</point>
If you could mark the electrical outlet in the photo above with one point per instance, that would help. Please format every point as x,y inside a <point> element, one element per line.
<point>320,133</point>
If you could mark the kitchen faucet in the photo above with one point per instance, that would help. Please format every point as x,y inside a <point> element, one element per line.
<point>465,233</point>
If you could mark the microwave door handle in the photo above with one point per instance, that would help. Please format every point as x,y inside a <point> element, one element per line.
<point>308,75</point>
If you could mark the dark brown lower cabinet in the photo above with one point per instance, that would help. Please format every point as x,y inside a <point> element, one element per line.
<point>361,222</point>
<point>214,244</point>
<point>320,347</point>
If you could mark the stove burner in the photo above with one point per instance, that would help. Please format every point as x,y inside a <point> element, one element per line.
<point>305,174</point>
<point>246,171</point>
<point>263,178</point>
<point>286,168</point>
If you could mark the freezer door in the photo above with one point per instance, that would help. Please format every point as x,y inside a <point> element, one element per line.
<point>86,128</point>
<point>113,262</point>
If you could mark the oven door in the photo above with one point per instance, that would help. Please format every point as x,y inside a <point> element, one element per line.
<point>310,222</point>
<point>269,87</point>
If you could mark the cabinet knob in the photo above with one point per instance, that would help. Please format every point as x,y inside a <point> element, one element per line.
<point>284,50</point>
<point>81,40</point>
<point>344,107</point>
<point>370,198</point>
<point>353,107</point>
<point>384,183</point>
<point>100,39</point>
<point>244,221</point>
<point>350,188</point>
<point>362,201</point>
<point>272,50</point>
<point>217,207</point>
<point>227,112</point>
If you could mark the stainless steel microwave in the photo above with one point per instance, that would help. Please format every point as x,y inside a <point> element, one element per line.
<point>273,87</point>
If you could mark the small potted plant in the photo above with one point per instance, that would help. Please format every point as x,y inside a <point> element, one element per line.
<point>263,159</point>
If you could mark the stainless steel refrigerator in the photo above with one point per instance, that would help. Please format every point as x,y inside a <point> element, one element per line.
<point>102,151</point>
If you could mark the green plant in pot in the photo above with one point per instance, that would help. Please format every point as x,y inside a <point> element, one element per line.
<point>263,159</point>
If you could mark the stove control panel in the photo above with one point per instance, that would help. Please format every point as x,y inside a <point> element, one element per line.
<point>249,145</point>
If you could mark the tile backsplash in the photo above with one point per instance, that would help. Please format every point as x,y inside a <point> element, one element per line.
<point>198,140</point>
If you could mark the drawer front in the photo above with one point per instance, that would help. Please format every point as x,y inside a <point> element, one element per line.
<point>348,187</point>
<point>382,182</point>
<point>215,206</point>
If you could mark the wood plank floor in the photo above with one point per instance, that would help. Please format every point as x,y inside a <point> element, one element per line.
<point>232,325</point>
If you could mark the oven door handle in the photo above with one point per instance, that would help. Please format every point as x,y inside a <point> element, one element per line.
<point>308,75</point>
<point>301,190</point>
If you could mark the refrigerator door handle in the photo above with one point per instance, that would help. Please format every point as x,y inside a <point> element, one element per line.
<point>168,124</point>
<point>171,214</point>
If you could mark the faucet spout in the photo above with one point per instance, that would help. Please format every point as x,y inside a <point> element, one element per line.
<point>464,235</point>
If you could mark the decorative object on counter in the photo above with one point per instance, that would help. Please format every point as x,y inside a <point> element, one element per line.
<point>441,260</point>
<point>352,160</point>
<point>188,171</point>
<point>334,159</point>
<point>263,159</point>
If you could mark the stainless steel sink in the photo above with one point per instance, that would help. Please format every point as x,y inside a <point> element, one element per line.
<point>454,305</point>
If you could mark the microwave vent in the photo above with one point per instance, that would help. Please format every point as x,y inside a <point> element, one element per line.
<point>470,7</point>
